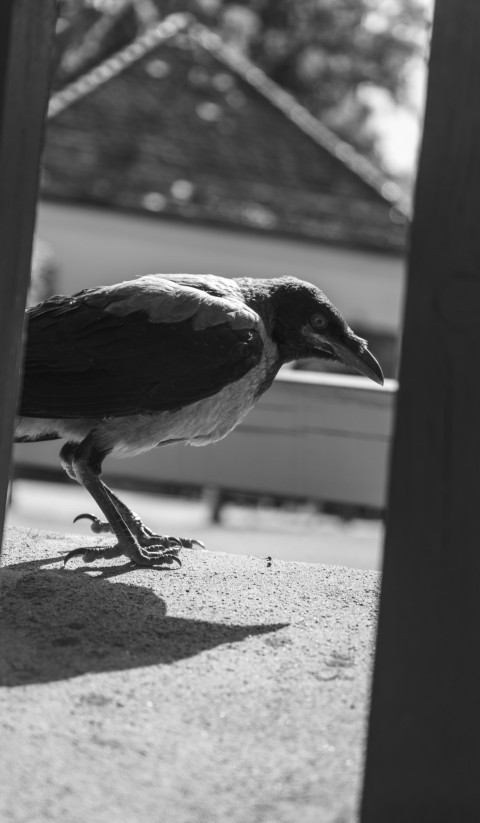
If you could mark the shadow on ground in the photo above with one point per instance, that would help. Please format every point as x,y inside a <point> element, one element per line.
<point>56,624</point>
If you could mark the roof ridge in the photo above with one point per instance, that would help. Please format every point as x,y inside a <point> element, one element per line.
<point>94,36</point>
<point>255,77</point>
<point>112,66</point>
<point>303,118</point>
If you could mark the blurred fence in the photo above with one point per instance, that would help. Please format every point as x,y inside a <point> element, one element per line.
<point>311,436</point>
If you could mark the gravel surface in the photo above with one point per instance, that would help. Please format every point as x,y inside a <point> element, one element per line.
<point>233,689</point>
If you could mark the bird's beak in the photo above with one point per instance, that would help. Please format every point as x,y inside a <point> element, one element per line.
<point>362,361</point>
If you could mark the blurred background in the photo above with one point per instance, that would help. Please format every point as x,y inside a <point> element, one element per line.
<point>262,138</point>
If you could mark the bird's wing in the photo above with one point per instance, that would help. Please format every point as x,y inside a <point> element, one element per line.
<point>146,345</point>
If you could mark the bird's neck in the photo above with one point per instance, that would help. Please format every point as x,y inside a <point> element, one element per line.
<point>266,297</point>
<point>259,295</point>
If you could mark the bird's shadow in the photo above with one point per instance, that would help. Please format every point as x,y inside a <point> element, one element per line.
<point>56,624</point>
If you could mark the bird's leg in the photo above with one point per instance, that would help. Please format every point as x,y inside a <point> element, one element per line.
<point>131,518</point>
<point>83,463</point>
<point>136,526</point>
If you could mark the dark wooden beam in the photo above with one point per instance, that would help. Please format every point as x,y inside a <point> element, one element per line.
<point>26,30</point>
<point>423,759</point>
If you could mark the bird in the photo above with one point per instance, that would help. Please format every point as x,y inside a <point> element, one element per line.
<point>164,359</point>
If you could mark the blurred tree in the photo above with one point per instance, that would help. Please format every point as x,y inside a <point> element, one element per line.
<point>333,55</point>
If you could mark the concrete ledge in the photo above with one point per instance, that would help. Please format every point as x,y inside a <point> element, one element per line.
<point>230,689</point>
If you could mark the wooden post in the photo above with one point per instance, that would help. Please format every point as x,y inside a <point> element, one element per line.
<point>26,29</point>
<point>423,759</point>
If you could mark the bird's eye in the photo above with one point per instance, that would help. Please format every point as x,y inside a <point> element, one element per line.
<point>319,322</point>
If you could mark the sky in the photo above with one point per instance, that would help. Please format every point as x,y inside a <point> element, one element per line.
<point>399,126</point>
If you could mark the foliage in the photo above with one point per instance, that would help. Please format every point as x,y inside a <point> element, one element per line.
<point>331,54</point>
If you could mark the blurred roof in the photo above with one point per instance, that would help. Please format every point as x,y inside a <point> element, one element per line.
<point>178,123</point>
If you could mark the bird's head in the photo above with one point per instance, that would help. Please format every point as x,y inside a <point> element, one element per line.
<point>306,324</point>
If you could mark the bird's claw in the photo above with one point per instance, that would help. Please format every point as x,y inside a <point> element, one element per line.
<point>97,526</point>
<point>88,555</point>
<point>157,560</point>
<point>186,542</point>
<point>75,553</point>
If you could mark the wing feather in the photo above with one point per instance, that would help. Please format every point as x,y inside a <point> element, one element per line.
<point>147,345</point>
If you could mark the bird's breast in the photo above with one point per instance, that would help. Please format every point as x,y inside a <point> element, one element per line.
<point>200,423</point>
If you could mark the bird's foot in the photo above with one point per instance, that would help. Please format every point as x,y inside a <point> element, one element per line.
<point>156,556</point>
<point>143,534</point>
<point>156,552</point>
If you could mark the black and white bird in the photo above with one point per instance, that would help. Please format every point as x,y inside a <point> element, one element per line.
<point>165,359</point>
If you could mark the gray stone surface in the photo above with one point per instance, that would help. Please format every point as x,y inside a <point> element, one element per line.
<point>229,690</point>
